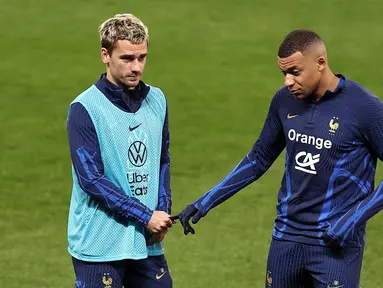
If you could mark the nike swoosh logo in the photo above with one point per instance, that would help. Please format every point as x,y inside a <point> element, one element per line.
<point>158,277</point>
<point>291,116</point>
<point>335,286</point>
<point>135,127</point>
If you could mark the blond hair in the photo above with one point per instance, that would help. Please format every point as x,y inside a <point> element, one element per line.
<point>122,27</point>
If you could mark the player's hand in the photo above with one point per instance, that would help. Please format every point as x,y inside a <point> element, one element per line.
<point>331,242</point>
<point>156,238</point>
<point>185,215</point>
<point>159,222</point>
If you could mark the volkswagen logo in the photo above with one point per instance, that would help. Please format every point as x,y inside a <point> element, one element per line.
<point>138,153</point>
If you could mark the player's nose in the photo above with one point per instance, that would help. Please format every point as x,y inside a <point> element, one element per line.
<point>135,66</point>
<point>289,80</point>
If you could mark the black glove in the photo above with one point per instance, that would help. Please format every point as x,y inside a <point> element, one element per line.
<point>184,217</point>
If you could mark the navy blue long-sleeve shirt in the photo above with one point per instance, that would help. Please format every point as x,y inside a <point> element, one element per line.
<point>87,161</point>
<point>332,146</point>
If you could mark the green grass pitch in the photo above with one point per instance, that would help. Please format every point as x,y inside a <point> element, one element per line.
<point>216,62</point>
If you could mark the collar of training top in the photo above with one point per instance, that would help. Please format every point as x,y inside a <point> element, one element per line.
<point>115,91</point>
<point>330,94</point>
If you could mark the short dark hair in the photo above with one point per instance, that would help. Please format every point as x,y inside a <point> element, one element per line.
<point>298,41</point>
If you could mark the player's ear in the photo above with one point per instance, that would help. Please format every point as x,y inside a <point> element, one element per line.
<point>105,55</point>
<point>321,63</point>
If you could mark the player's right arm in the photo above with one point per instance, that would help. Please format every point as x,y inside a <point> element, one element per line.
<point>89,168</point>
<point>262,155</point>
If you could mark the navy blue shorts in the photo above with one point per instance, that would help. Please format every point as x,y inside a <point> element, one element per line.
<point>151,272</point>
<point>296,265</point>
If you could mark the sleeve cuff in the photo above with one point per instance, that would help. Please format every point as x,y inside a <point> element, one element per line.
<point>145,216</point>
<point>197,204</point>
<point>165,205</point>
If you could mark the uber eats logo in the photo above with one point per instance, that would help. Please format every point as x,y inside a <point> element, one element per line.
<point>138,183</point>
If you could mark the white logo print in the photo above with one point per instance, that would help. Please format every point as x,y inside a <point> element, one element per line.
<point>307,164</point>
<point>319,143</point>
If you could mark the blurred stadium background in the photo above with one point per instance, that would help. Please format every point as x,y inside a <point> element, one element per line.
<point>216,62</point>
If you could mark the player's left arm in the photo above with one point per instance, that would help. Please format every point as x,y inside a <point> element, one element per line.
<point>164,191</point>
<point>264,152</point>
<point>371,125</point>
